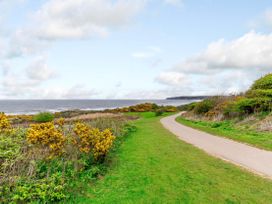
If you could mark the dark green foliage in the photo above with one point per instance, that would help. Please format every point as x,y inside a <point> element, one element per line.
<point>43,117</point>
<point>257,93</point>
<point>159,112</point>
<point>256,100</point>
<point>249,106</point>
<point>246,106</point>
<point>187,107</point>
<point>263,83</point>
<point>204,106</point>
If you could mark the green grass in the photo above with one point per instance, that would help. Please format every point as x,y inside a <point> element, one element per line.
<point>153,166</point>
<point>227,129</point>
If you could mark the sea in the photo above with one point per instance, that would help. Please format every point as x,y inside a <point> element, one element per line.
<point>15,107</point>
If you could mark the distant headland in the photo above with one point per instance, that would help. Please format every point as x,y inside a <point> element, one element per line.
<point>187,98</point>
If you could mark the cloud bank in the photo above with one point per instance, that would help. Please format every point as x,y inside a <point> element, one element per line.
<point>225,66</point>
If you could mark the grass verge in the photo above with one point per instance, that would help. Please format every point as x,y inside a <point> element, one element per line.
<point>153,166</point>
<point>227,129</point>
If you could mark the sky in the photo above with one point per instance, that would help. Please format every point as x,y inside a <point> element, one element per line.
<point>132,49</point>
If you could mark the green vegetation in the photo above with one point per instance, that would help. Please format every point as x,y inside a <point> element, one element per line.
<point>204,106</point>
<point>153,166</point>
<point>43,163</point>
<point>43,117</point>
<point>245,117</point>
<point>159,112</point>
<point>256,100</point>
<point>145,107</point>
<point>228,129</point>
<point>264,83</point>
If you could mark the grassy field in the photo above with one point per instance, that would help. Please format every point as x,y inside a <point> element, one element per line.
<point>153,166</point>
<point>229,130</point>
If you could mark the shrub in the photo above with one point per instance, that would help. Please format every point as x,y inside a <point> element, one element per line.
<point>145,107</point>
<point>4,123</point>
<point>20,118</point>
<point>204,106</point>
<point>264,83</point>
<point>159,112</point>
<point>247,106</point>
<point>93,140</point>
<point>46,190</point>
<point>10,144</point>
<point>43,117</point>
<point>46,136</point>
<point>187,107</point>
<point>259,93</point>
<point>33,168</point>
<point>60,122</point>
<point>169,109</point>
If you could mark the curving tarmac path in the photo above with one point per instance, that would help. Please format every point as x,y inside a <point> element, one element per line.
<point>253,159</point>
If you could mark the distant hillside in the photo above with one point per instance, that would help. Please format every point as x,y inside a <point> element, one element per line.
<point>187,98</point>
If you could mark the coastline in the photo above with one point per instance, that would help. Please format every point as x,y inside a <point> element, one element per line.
<point>31,107</point>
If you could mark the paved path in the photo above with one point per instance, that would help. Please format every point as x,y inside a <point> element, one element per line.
<point>254,159</point>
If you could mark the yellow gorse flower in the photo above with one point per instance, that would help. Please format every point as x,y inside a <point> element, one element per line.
<point>60,122</point>
<point>92,139</point>
<point>48,136</point>
<point>4,123</point>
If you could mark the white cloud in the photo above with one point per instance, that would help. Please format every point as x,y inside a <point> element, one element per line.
<point>251,51</point>
<point>58,19</point>
<point>224,67</point>
<point>23,43</point>
<point>39,70</point>
<point>25,83</point>
<point>78,92</point>
<point>171,78</point>
<point>17,86</point>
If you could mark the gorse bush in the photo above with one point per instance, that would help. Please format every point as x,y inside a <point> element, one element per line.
<point>4,123</point>
<point>47,136</point>
<point>92,139</point>
<point>43,117</point>
<point>145,107</point>
<point>37,163</point>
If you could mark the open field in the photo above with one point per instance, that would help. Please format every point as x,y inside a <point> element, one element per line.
<point>153,166</point>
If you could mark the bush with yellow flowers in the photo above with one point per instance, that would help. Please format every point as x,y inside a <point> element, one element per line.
<point>103,143</point>
<point>93,140</point>
<point>47,136</point>
<point>60,122</point>
<point>4,123</point>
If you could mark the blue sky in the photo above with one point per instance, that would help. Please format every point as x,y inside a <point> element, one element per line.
<point>132,48</point>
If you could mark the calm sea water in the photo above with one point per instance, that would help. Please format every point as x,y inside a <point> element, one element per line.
<point>34,106</point>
